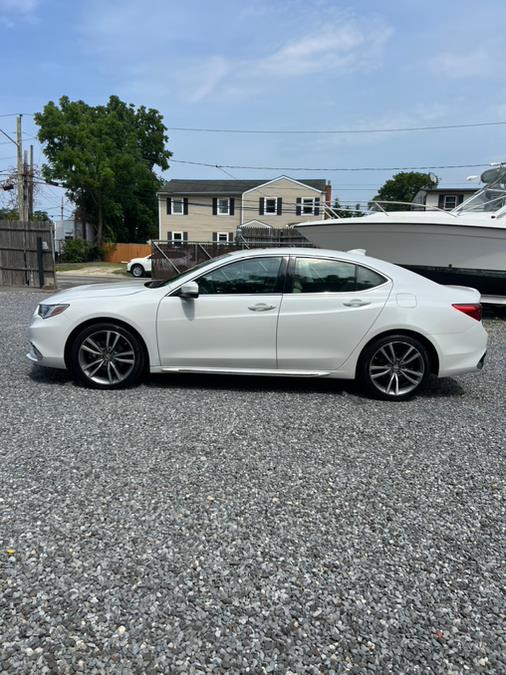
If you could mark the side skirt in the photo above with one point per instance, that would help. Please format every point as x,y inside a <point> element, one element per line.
<point>275,372</point>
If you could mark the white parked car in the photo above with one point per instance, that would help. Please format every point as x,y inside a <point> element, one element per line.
<point>294,312</point>
<point>139,267</point>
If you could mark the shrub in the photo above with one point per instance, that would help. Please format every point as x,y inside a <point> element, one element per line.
<point>79,250</point>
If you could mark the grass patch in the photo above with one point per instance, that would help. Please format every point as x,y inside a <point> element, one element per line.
<point>116,268</point>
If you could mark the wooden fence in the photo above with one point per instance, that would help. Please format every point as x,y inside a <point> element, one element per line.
<point>170,258</point>
<point>116,253</point>
<point>26,254</point>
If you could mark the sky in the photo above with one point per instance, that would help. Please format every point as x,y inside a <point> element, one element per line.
<point>275,65</point>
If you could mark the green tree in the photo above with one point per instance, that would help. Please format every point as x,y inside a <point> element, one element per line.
<point>346,212</point>
<point>106,155</point>
<point>403,186</point>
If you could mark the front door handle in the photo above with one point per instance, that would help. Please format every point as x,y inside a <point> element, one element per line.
<point>261,307</point>
<point>356,303</point>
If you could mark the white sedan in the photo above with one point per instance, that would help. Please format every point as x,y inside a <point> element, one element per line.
<point>139,267</point>
<point>293,312</point>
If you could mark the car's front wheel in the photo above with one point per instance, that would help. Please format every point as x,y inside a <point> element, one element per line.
<point>107,356</point>
<point>137,270</point>
<point>393,367</point>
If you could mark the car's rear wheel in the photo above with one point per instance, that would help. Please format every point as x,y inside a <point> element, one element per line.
<point>107,356</point>
<point>137,270</point>
<point>393,367</point>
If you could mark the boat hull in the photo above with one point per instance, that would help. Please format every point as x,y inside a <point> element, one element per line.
<point>446,253</point>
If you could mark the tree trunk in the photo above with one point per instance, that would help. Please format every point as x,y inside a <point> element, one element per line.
<point>100,224</point>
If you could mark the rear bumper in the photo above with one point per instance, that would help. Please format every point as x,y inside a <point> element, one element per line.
<point>463,352</point>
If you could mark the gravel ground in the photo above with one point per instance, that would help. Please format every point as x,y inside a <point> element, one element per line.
<point>198,525</point>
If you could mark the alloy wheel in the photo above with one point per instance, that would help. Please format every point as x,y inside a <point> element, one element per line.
<point>106,357</point>
<point>397,368</point>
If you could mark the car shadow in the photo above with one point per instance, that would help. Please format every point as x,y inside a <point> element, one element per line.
<point>43,375</point>
<point>435,388</point>
<point>248,383</point>
<point>445,387</point>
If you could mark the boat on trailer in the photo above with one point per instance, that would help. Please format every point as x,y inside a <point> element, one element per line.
<point>465,246</point>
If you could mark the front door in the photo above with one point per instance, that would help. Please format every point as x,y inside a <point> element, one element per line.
<point>331,307</point>
<point>232,324</point>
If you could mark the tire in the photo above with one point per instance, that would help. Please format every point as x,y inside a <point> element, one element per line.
<point>393,368</point>
<point>107,356</point>
<point>137,271</point>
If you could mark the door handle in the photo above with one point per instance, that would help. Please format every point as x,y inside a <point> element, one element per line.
<point>356,303</point>
<point>261,307</point>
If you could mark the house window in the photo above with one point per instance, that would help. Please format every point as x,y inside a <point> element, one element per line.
<point>177,237</point>
<point>222,237</point>
<point>223,207</point>
<point>307,206</point>
<point>449,202</point>
<point>270,206</point>
<point>177,207</point>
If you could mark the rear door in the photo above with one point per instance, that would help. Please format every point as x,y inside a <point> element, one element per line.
<point>329,306</point>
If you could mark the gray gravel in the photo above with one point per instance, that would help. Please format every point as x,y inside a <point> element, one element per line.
<point>198,525</point>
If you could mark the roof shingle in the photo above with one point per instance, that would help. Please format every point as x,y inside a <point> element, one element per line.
<point>178,186</point>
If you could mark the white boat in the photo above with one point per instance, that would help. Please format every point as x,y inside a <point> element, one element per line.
<point>465,246</point>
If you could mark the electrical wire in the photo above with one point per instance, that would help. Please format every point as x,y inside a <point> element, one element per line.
<point>329,169</point>
<point>464,125</point>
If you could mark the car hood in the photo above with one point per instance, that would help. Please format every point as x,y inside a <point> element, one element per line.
<point>90,291</point>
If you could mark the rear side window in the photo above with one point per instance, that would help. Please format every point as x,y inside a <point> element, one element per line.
<point>320,275</point>
<point>368,279</point>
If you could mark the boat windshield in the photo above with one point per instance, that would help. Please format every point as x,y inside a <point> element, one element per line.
<point>491,197</point>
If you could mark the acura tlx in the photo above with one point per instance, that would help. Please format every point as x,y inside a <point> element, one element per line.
<point>282,312</point>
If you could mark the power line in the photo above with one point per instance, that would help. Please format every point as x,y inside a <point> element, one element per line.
<point>299,168</point>
<point>464,125</point>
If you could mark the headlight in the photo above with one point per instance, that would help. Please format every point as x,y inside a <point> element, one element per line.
<point>47,311</point>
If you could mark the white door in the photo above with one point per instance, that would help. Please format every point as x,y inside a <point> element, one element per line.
<point>331,307</point>
<point>232,324</point>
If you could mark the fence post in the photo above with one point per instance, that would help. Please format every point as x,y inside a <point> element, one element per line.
<point>40,262</point>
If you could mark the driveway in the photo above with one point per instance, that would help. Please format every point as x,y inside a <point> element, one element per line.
<point>231,525</point>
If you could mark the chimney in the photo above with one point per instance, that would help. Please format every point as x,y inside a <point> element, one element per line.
<point>328,194</point>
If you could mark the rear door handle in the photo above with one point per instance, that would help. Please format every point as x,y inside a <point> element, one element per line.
<point>261,307</point>
<point>356,303</point>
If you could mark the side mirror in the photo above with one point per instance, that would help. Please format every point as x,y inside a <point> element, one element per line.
<point>189,290</point>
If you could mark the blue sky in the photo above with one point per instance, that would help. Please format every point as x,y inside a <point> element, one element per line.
<point>283,64</point>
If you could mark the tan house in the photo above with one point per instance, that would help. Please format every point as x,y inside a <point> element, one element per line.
<point>214,210</point>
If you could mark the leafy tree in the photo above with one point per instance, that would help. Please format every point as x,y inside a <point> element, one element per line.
<point>106,155</point>
<point>9,214</point>
<point>346,212</point>
<point>403,186</point>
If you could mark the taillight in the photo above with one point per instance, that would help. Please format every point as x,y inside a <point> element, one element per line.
<point>474,311</point>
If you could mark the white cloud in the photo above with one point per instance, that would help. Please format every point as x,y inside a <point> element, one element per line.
<point>481,62</point>
<point>12,10</point>
<point>149,45</point>
<point>335,49</point>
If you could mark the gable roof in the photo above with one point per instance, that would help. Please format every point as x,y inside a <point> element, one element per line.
<point>178,186</point>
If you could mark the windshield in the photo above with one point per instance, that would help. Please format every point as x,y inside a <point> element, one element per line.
<point>491,197</point>
<point>163,282</point>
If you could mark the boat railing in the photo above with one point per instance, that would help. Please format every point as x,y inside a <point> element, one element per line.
<point>426,207</point>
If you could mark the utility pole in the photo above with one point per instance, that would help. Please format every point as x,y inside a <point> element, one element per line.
<point>61,212</point>
<point>30,186</point>
<point>26,187</point>
<point>21,191</point>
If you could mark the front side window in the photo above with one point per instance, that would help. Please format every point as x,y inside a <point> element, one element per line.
<point>319,275</point>
<point>223,207</point>
<point>177,237</point>
<point>256,275</point>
